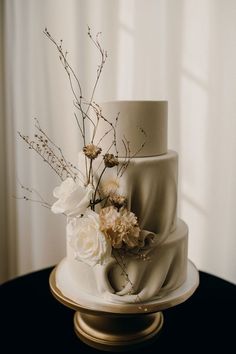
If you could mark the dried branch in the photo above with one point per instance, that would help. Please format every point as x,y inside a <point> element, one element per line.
<point>73,78</point>
<point>32,191</point>
<point>71,74</point>
<point>128,157</point>
<point>103,54</point>
<point>63,59</point>
<point>97,186</point>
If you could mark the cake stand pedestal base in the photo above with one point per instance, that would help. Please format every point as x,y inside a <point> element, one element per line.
<point>118,327</point>
<point>116,333</point>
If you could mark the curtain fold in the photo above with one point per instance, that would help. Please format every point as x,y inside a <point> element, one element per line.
<point>182,51</point>
<point>4,269</point>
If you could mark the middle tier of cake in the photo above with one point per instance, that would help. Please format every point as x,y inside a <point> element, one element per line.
<point>150,185</point>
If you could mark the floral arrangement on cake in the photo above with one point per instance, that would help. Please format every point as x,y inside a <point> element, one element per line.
<point>99,224</point>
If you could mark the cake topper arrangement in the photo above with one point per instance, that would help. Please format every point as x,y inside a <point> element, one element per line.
<point>99,224</point>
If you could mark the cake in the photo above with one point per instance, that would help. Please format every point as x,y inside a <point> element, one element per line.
<point>144,256</point>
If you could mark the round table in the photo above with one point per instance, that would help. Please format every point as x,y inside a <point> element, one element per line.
<point>32,321</point>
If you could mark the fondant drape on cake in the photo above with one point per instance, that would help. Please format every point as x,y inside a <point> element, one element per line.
<point>163,271</point>
<point>150,184</point>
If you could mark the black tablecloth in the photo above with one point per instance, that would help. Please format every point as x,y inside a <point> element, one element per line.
<point>32,321</point>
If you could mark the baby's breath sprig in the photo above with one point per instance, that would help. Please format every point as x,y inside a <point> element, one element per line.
<point>51,154</point>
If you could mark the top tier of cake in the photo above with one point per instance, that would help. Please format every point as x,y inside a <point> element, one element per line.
<point>135,117</point>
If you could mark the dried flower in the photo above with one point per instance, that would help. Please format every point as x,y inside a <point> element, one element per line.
<point>109,186</point>
<point>92,151</point>
<point>120,227</point>
<point>117,200</point>
<point>110,160</point>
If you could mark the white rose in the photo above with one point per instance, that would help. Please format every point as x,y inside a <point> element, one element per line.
<point>89,243</point>
<point>73,199</point>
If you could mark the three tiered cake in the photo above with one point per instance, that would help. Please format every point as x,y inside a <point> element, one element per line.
<point>131,247</point>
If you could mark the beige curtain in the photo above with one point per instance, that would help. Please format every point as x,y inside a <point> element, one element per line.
<point>3,230</point>
<point>183,51</point>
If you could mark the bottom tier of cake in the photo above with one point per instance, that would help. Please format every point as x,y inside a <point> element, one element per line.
<point>132,278</point>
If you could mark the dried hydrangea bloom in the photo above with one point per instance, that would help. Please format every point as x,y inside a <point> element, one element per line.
<point>92,151</point>
<point>117,200</point>
<point>110,160</point>
<point>120,227</point>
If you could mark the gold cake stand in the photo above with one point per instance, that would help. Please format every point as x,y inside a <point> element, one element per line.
<point>121,327</point>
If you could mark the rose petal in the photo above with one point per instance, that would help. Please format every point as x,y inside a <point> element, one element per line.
<point>89,243</point>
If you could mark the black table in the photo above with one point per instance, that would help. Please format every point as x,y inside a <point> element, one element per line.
<point>32,321</point>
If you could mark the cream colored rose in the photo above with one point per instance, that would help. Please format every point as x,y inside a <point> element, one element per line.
<point>89,243</point>
<point>73,199</point>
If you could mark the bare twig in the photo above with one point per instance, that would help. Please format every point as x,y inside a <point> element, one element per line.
<point>103,55</point>
<point>32,191</point>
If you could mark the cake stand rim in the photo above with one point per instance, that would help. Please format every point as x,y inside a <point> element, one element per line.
<point>120,309</point>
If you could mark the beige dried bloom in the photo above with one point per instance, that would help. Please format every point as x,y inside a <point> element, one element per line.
<point>117,200</point>
<point>110,186</point>
<point>108,217</point>
<point>120,227</point>
<point>110,160</point>
<point>92,151</point>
